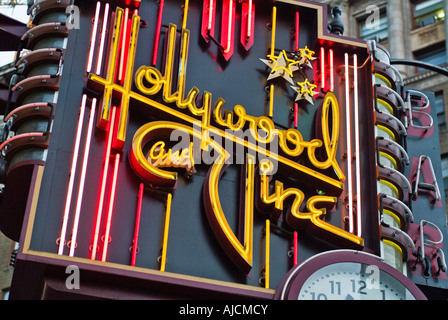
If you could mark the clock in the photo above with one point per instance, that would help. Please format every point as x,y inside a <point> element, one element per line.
<point>347,275</point>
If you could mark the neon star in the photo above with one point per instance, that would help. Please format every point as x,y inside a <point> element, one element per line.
<point>281,66</point>
<point>305,90</point>
<point>306,56</point>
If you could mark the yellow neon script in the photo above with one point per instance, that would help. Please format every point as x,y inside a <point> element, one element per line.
<point>159,157</point>
<point>295,217</point>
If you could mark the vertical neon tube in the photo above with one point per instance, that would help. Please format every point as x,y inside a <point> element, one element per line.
<point>322,68</point>
<point>229,28</point>
<point>331,57</point>
<point>296,248</point>
<point>268,246</point>
<point>297,31</point>
<point>184,22</point>
<point>210,15</point>
<point>124,40</point>
<point>274,27</point>
<point>103,39</point>
<point>103,184</point>
<point>82,179</point>
<point>71,182</point>
<point>358,148</point>
<point>93,37</point>
<point>296,115</point>
<point>249,21</point>
<point>137,224</point>
<point>111,207</point>
<point>271,101</point>
<point>166,231</point>
<point>349,144</point>
<point>158,30</point>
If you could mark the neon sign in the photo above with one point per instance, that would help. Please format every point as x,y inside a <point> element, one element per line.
<point>150,81</point>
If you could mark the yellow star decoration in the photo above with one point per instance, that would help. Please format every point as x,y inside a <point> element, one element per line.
<point>306,56</point>
<point>281,66</point>
<point>305,90</point>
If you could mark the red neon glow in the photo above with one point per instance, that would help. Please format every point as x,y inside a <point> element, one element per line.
<point>249,20</point>
<point>68,199</point>
<point>322,68</point>
<point>331,54</point>
<point>103,39</point>
<point>103,184</point>
<point>82,179</point>
<point>137,3</point>
<point>137,224</point>
<point>211,10</point>
<point>158,30</point>
<point>296,248</point>
<point>297,31</point>
<point>229,28</point>
<point>128,2</point>
<point>93,37</point>
<point>111,207</point>
<point>296,115</point>
<point>123,46</point>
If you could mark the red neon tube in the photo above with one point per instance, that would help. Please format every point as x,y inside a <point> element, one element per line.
<point>297,30</point>
<point>296,247</point>
<point>322,68</point>
<point>296,115</point>
<point>68,199</point>
<point>137,224</point>
<point>123,47</point>
<point>158,30</point>
<point>82,179</point>
<point>111,207</point>
<point>103,184</point>
<point>331,70</point>
<point>249,20</point>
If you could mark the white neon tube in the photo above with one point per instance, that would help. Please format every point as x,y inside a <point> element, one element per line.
<point>93,37</point>
<point>103,38</point>
<point>358,148</point>
<point>349,145</point>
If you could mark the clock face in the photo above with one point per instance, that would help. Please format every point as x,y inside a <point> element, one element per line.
<point>353,281</point>
<point>347,275</point>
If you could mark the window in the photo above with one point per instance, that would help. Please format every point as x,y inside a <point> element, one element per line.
<point>374,31</point>
<point>428,12</point>
<point>434,55</point>
<point>440,107</point>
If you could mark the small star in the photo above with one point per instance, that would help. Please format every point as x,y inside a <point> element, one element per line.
<point>281,66</point>
<point>306,56</point>
<point>305,90</point>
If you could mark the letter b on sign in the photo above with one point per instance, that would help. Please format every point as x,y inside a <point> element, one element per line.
<point>72,281</point>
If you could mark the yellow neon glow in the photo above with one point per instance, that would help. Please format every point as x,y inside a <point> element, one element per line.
<point>330,143</point>
<point>295,215</point>
<point>289,64</point>
<point>386,107</point>
<point>274,26</point>
<point>271,101</point>
<point>268,253</point>
<point>159,157</point>
<point>391,218</point>
<point>184,21</point>
<point>165,232</point>
<point>108,89</point>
